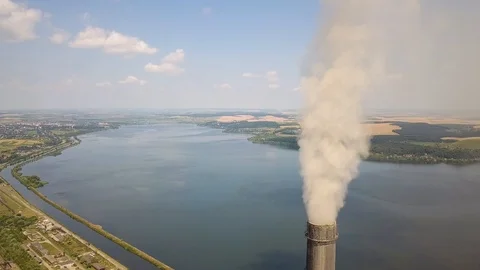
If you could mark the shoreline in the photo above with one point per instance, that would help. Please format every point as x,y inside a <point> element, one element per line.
<point>96,228</point>
<point>39,212</point>
<point>381,158</point>
<point>393,159</point>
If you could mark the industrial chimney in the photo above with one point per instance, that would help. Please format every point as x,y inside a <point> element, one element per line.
<point>321,246</point>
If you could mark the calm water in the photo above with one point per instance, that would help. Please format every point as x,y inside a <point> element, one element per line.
<point>199,199</point>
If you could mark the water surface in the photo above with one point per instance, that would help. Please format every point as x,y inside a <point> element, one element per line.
<point>197,198</point>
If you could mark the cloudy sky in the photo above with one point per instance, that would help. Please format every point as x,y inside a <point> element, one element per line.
<point>199,53</point>
<point>153,54</point>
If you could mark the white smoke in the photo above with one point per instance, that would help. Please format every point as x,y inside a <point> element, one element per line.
<point>348,58</point>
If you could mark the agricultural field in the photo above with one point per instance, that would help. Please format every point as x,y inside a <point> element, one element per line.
<point>4,210</point>
<point>9,201</point>
<point>51,249</point>
<point>12,144</point>
<point>11,148</point>
<point>428,120</point>
<point>63,132</point>
<point>382,129</point>
<point>468,143</point>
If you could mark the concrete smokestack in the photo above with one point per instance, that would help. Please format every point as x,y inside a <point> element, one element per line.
<point>321,246</point>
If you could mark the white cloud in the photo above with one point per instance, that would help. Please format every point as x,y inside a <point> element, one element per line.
<point>175,57</point>
<point>168,64</point>
<point>17,21</point>
<point>271,76</point>
<point>223,86</point>
<point>296,89</point>
<point>68,81</point>
<point>59,36</point>
<point>110,41</point>
<point>104,84</point>
<point>132,80</point>
<point>167,68</point>
<point>207,10</point>
<point>251,75</point>
<point>71,80</point>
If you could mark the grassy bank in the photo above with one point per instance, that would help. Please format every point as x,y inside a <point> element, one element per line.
<point>102,232</point>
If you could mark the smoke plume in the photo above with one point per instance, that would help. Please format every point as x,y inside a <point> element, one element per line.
<point>348,58</point>
<point>413,53</point>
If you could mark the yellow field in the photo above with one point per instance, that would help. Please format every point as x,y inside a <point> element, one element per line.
<point>382,128</point>
<point>251,118</point>
<point>461,139</point>
<point>4,211</point>
<point>11,144</point>
<point>8,120</point>
<point>12,201</point>
<point>269,118</point>
<point>428,120</point>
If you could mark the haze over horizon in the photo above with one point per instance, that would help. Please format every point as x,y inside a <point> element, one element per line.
<point>215,54</point>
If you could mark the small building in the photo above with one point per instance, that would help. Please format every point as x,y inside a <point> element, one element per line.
<point>65,262</point>
<point>87,259</point>
<point>34,237</point>
<point>50,259</point>
<point>39,249</point>
<point>60,230</point>
<point>7,265</point>
<point>57,237</point>
<point>98,266</point>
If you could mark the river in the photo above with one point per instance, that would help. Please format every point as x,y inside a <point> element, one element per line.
<point>196,198</point>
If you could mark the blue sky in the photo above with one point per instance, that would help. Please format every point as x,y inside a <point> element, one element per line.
<point>220,53</point>
<point>198,51</point>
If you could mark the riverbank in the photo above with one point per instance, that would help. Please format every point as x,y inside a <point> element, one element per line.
<point>402,152</point>
<point>401,143</point>
<point>395,153</point>
<point>104,233</point>
<point>29,210</point>
<point>32,186</point>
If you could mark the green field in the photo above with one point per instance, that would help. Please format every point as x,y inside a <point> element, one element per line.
<point>64,132</point>
<point>14,143</point>
<point>10,203</point>
<point>73,247</point>
<point>9,146</point>
<point>473,144</point>
<point>4,210</point>
<point>428,143</point>
<point>468,144</point>
<point>51,249</point>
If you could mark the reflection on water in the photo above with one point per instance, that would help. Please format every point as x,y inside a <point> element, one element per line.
<point>200,199</point>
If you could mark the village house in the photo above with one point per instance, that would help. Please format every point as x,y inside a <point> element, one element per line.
<point>37,247</point>
<point>98,266</point>
<point>65,262</point>
<point>87,259</point>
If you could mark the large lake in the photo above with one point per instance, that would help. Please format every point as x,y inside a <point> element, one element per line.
<point>197,198</point>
